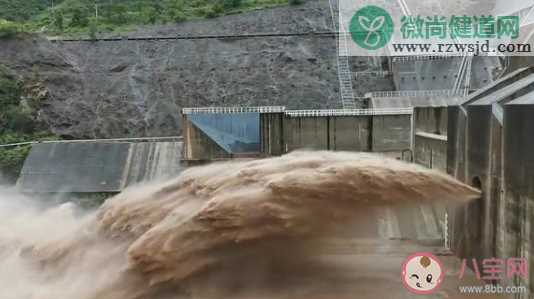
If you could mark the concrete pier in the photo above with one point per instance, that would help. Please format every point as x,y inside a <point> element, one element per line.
<point>488,143</point>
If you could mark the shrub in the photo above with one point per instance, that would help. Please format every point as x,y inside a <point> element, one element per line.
<point>178,16</point>
<point>10,89</point>
<point>79,17</point>
<point>296,2</point>
<point>8,29</point>
<point>19,100</point>
<point>228,4</point>
<point>16,118</point>
<point>208,11</point>
<point>119,14</point>
<point>12,158</point>
<point>11,162</point>
<point>176,13</point>
<point>218,9</point>
<point>93,28</point>
<point>149,15</point>
<point>57,18</point>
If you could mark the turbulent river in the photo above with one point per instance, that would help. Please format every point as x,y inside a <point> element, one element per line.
<point>242,229</point>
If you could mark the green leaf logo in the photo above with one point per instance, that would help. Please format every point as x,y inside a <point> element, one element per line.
<point>371,27</point>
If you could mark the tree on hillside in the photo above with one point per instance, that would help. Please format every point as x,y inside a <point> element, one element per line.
<point>149,15</point>
<point>119,14</point>
<point>72,16</point>
<point>8,29</point>
<point>175,10</point>
<point>10,88</point>
<point>21,10</point>
<point>93,28</point>
<point>80,17</point>
<point>57,20</point>
<point>228,4</point>
<point>296,2</point>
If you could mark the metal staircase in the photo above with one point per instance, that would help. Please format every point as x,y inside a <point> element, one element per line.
<point>463,80</point>
<point>343,64</point>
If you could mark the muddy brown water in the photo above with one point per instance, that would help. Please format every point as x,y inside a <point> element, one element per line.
<point>288,227</point>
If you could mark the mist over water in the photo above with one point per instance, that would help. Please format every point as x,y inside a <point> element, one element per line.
<point>24,224</point>
<point>227,230</point>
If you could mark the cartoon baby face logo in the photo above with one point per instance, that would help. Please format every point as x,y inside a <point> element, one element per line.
<point>422,273</point>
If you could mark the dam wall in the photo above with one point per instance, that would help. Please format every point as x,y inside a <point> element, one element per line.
<point>430,137</point>
<point>150,161</point>
<point>479,141</point>
<point>486,145</point>
<point>441,73</point>
<point>341,133</point>
<point>390,133</point>
<point>518,210</point>
<point>282,131</point>
<point>97,167</point>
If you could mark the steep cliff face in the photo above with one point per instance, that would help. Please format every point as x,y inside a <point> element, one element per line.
<point>137,87</point>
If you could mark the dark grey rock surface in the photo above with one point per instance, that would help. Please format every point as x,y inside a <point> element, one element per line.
<point>137,88</point>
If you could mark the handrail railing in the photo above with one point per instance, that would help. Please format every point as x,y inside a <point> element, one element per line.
<point>264,109</point>
<point>382,74</point>
<point>422,58</point>
<point>349,112</point>
<point>293,113</point>
<point>414,93</point>
<point>177,138</point>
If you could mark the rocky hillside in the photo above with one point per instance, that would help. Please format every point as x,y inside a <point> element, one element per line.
<point>137,88</point>
<point>28,56</point>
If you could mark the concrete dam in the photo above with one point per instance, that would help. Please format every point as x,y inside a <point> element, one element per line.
<point>427,135</point>
<point>97,167</point>
<point>474,139</point>
<point>216,133</point>
<point>277,119</point>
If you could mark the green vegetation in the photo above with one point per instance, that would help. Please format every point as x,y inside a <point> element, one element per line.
<point>19,100</point>
<point>21,10</point>
<point>8,28</point>
<point>90,17</point>
<point>12,159</point>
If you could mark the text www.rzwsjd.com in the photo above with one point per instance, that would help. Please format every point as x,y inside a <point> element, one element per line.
<point>472,48</point>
